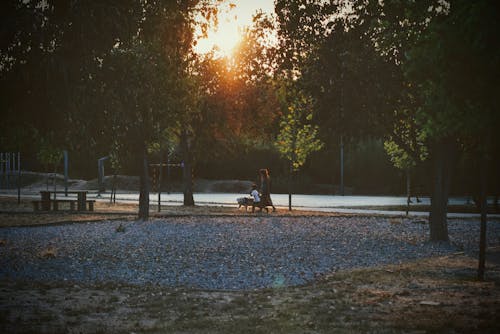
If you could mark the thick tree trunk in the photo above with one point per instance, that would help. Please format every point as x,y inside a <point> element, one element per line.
<point>144,188</point>
<point>187,170</point>
<point>484,210</point>
<point>443,153</point>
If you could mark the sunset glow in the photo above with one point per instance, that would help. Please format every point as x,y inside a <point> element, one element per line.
<point>233,17</point>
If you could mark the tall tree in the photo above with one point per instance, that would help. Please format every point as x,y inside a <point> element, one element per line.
<point>452,65</point>
<point>335,60</point>
<point>297,138</point>
<point>238,106</point>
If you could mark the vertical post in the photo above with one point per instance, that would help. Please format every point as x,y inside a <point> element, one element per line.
<point>1,169</point>
<point>18,178</point>
<point>341,118</point>
<point>408,191</point>
<point>65,154</point>
<point>168,173</point>
<point>341,166</point>
<point>7,170</point>
<point>484,211</point>
<point>290,178</point>
<point>100,175</point>
<point>159,181</point>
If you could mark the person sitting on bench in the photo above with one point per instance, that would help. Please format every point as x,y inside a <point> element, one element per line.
<point>256,199</point>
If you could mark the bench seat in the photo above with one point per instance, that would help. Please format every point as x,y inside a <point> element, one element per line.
<point>39,205</point>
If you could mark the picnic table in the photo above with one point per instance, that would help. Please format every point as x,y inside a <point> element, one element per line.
<point>48,199</point>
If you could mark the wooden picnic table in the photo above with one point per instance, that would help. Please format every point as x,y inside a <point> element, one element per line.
<point>49,197</point>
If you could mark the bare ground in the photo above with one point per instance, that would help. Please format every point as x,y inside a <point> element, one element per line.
<point>428,296</point>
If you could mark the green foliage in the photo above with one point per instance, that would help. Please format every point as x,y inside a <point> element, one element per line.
<point>399,157</point>
<point>459,97</point>
<point>114,157</point>
<point>48,154</point>
<point>413,148</point>
<point>297,138</point>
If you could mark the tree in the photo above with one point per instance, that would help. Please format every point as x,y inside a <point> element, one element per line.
<point>402,160</point>
<point>430,47</point>
<point>297,138</point>
<point>237,105</point>
<point>458,96</point>
<point>135,106</point>
<point>49,156</point>
<point>335,60</point>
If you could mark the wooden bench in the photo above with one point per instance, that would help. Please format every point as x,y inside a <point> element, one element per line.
<point>48,197</point>
<point>40,205</point>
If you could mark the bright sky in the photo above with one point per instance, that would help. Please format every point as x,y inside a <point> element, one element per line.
<point>232,20</point>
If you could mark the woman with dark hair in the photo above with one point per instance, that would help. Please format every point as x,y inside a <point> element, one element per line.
<point>265,188</point>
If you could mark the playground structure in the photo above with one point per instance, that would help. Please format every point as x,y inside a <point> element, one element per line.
<point>157,177</point>
<point>10,172</point>
<point>156,174</point>
<point>100,175</point>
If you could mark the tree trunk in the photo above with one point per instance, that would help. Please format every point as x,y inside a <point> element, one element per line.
<point>144,188</point>
<point>290,176</point>
<point>443,153</point>
<point>187,170</point>
<point>112,198</point>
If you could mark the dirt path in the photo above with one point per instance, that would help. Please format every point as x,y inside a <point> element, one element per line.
<point>13,214</point>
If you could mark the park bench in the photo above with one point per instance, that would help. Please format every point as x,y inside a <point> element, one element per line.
<point>46,203</point>
<point>39,205</point>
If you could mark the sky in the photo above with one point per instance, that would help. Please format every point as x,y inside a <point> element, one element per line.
<point>232,19</point>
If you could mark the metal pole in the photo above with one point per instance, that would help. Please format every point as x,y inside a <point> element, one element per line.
<point>18,178</point>
<point>341,166</point>
<point>484,217</point>
<point>1,169</point>
<point>290,187</point>
<point>159,181</point>
<point>7,170</point>
<point>341,185</point>
<point>100,175</point>
<point>65,153</point>
<point>408,192</point>
<point>168,173</point>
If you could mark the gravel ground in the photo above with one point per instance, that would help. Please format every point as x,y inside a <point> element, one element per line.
<point>229,253</point>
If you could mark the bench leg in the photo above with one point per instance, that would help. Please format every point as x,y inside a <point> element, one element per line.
<point>91,206</point>
<point>45,205</point>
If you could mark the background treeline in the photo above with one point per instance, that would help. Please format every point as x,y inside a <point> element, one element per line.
<point>407,90</point>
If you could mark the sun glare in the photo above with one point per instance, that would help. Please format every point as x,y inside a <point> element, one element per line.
<point>233,17</point>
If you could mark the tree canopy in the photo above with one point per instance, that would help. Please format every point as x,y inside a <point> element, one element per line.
<point>118,77</point>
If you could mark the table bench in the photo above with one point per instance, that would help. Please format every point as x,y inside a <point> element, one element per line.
<point>46,202</point>
<point>39,205</point>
